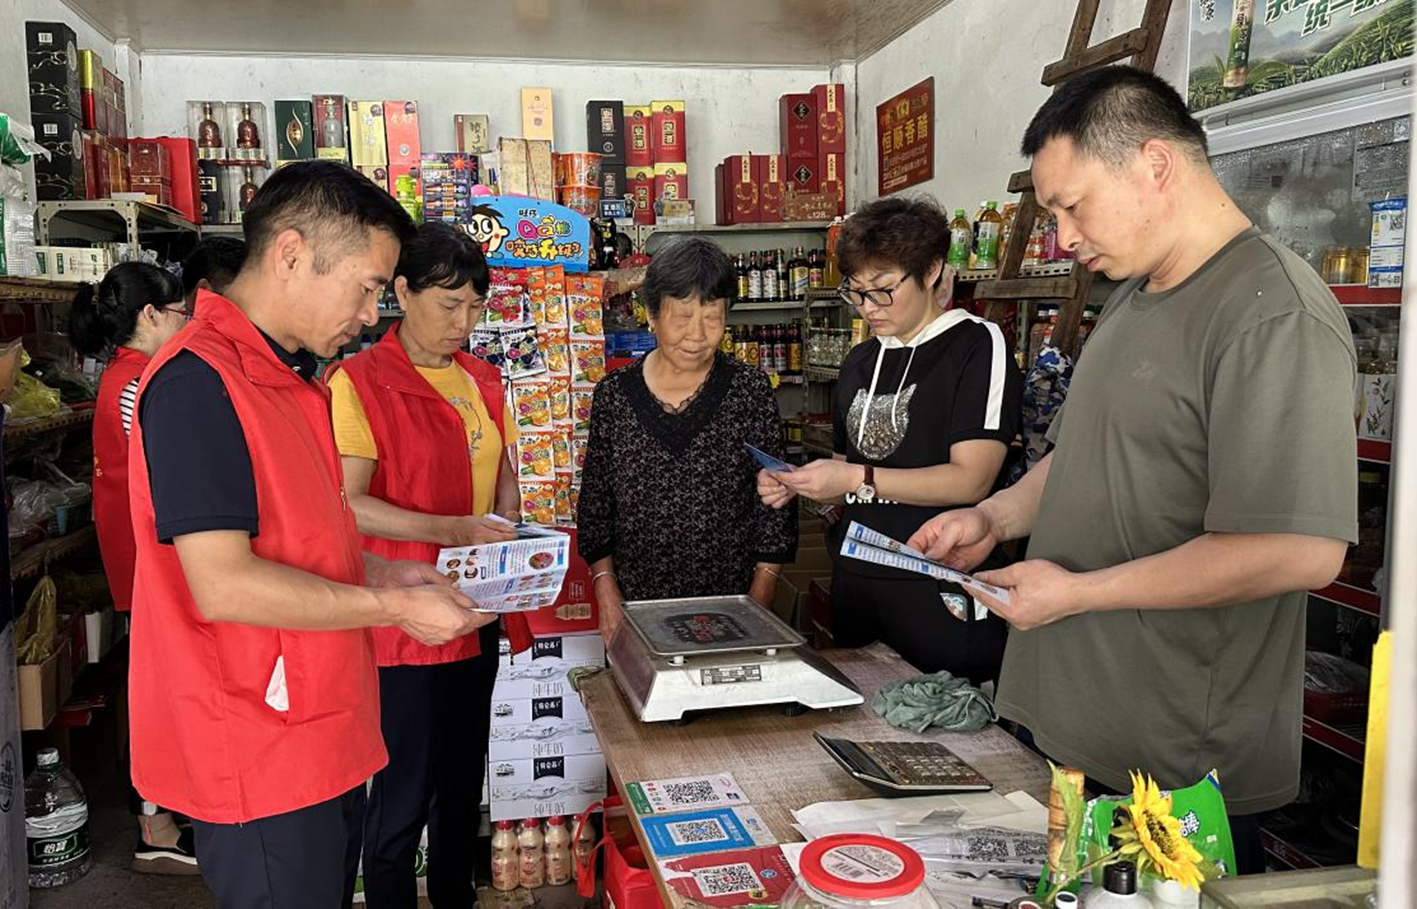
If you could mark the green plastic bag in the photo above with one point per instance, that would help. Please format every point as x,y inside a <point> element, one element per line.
<point>1200,809</point>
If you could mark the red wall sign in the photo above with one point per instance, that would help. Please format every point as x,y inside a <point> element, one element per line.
<point>905,139</point>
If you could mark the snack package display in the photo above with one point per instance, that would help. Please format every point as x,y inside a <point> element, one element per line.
<point>574,498</point>
<point>584,295</point>
<point>579,445</point>
<point>560,398</point>
<point>538,501</point>
<point>536,455</point>
<point>531,402</point>
<point>561,450</point>
<point>536,294</point>
<point>582,396</point>
<point>487,346</point>
<point>556,346</point>
<point>523,353</point>
<point>507,304</point>
<point>555,276</point>
<point>1200,809</point>
<point>587,360</point>
<point>564,482</point>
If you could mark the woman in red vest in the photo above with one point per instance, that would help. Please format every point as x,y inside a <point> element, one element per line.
<point>124,320</point>
<point>423,431</point>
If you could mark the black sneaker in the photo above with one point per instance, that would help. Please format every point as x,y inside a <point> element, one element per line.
<point>180,859</point>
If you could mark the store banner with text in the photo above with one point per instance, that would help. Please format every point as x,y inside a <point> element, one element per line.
<point>905,139</point>
<point>518,232</point>
<point>1246,47</point>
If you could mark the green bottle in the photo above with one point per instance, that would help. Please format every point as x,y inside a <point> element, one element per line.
<point>961,241</point>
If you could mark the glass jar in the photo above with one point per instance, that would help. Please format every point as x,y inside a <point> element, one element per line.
<point>859,871</point>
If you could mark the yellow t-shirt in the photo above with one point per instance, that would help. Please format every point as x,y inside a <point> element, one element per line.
<point>356,440</point>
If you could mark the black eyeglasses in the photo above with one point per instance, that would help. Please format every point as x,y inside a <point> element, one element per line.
<point>876,296</point>
<point>184,312</point>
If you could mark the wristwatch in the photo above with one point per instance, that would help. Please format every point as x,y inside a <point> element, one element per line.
<point>866,492</point>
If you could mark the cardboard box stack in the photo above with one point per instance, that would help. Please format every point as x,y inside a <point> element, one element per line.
<point>812,126</point>
<point>605,135</point>
<point>543,757</point>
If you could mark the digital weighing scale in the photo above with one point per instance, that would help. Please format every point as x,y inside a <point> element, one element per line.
<point>707,653</point>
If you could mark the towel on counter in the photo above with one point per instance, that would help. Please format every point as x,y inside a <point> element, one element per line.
<point>934,700</point>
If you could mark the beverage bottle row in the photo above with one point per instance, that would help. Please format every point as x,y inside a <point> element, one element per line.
<point>773,276</point>
<point>771,348</point>
<point>529,855</point>
<point>980,244</point>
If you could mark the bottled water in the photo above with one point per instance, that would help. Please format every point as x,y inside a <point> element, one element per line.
<point>56,824</point>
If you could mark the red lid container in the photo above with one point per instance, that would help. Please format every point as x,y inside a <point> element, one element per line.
<point>862,867</point>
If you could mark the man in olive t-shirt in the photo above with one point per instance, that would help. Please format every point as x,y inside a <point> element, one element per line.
<point>1204,473</point>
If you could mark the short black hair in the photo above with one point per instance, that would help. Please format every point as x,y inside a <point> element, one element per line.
<point>217,260</point>
<point>331,204</point>
<point>443,256</point>
<point>686,268</point>
<point>912,234</point>
<point>1110,112</point>
<point>104,316</point>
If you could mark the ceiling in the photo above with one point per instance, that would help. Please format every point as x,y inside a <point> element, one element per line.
<point>729,32</point>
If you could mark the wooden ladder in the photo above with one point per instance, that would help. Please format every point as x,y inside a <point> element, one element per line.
<point>1141,44</point>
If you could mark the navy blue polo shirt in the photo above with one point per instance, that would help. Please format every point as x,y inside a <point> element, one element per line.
<point>198,463</point>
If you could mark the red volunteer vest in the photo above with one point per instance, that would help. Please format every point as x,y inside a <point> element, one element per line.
<point>111,515</point>
<point>423,466</point>
<point>204,740</point>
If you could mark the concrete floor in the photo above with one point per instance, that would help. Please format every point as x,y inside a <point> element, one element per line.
<point>110,884</point>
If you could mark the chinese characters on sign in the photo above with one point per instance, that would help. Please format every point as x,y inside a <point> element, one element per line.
<point>905,138</point>
<point>1318,14</point>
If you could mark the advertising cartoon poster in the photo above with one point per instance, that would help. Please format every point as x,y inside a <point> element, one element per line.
<point>517,232</point>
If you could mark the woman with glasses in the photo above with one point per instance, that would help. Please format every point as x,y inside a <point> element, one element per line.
<point>424,431</point>
<point>924,414</point>
<point>125,320</point>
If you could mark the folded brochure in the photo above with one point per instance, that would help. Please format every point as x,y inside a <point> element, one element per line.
<point>759,876</point>
<point>712,790</point>
<point>520,575</point>
<point>868,545</point>
<point>699,832</point>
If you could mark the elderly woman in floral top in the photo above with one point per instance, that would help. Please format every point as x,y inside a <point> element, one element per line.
<point>668,503</point>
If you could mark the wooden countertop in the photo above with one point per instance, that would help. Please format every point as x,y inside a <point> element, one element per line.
<point>774,757</point>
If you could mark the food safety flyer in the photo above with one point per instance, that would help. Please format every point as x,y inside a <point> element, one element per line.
<point>867,545</point>
<point>520,575</point>
<point>700,832</point>
<point>716,790</point>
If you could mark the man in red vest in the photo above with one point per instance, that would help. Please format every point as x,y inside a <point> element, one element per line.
<point>254,693</point>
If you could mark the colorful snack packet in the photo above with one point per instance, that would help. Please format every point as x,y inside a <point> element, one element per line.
<point>587,360</point>
<point>531,402</point>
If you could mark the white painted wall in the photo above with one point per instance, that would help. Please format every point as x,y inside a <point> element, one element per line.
<point>730,110</point>
<point>14,79</point>
<point>987,58</point>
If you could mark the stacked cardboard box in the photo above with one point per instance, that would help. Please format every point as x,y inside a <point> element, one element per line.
<point>605,135</point>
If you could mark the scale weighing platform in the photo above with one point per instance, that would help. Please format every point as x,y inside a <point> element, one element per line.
<point>670,657</point>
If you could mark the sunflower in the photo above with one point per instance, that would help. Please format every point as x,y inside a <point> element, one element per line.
<point>1151,837</point>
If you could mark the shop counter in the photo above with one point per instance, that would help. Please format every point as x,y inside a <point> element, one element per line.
<point>774,757</point>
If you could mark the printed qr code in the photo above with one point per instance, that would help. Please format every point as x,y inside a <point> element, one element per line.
<point>988,849</point>
<point>689,792</point>
<point>726,880</point>
<point>693,833</point>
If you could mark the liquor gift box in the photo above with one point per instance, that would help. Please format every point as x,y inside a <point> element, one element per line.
<point>368,140</point>
<point>605,130</point>
<point>639,149</point>
<point>639,184</point>
<point>206,124</point>
<point>241,184</point>
<point>671,181</point>
<point>331,133</point>
<point>722,207</point>
<point>93,92</point>
<point>53,57</point>
<point>742,179</point>
<point>830,102</point>
<point>246,132</point>
<point>295,131</point>
<point>667,132</point>
<point>537,115</point>
<point>797,121</point>
<point>472,131</point>
<point>613,181</point>
<point>802,175</point>
<point>150,159</point>
<point>833,179</point>
<point>212,193</point>
<point>405,149</point>
<point>186,184</point>
<point>63,177</point>
<point>772,187</point>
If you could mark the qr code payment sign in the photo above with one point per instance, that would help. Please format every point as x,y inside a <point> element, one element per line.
<point>697,832</point>
<point>728,880</point>
<point>689,792</point>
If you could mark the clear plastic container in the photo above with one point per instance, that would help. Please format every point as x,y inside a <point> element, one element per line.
<point>855,871</point>
<point>56,824</point>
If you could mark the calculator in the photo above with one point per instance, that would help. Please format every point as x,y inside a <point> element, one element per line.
<point>905,768</point>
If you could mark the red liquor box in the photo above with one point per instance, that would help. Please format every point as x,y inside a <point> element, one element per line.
<point>797,121</point>
<point>95,187</point>
<point>671,181</point>
<point>639,149</point>
<point>722,210</point>
<point>667,140</point>
<point>772,187</point>
<point>802,175</point>
<point>405,150</point>
<point>148,158</point>
<point>639,183</point>
<point>831,118</point>
<point>833,179</point>
<point>742,183</point>
<point>186,183</point>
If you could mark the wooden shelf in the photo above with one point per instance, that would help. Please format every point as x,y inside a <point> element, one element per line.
<point>1048,270</point>
<point>31,561</point>
<point>36,290</point>
<point>1365,601</point>
<point>66,420</point>
<point>1345,740</point>
<point>763,228</point>
<point>1380,452</point>
<point>1363,295</point>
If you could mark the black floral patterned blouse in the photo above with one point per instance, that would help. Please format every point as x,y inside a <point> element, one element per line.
<point>673,496</point>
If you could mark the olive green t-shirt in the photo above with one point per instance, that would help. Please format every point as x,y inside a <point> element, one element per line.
<point>1223,405</point>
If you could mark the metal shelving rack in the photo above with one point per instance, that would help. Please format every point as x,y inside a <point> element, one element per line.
<point>128,219</point>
